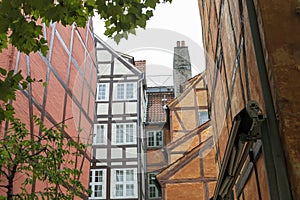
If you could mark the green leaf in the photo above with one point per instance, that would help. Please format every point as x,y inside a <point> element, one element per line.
<point>3,71</point>
<point>29,79</point>
<point>117,38</point>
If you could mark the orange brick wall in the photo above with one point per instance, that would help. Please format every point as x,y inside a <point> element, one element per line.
<point>280,29</point>
<point>231,71</point>
<point>233,77</point>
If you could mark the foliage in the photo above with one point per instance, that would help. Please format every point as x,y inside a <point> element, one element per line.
<point>21,19</point>
<point>39,157</point>
<point>9,84</point>
<point>42,157</point>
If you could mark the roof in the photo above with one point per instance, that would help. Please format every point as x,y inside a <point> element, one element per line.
<point>157,97</point>
<point>188,85</point>
<point>125,59</point>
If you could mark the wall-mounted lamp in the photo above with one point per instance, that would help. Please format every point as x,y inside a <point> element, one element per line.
<point>244,132</point>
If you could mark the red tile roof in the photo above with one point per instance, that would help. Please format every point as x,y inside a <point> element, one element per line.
<point>157,98</point>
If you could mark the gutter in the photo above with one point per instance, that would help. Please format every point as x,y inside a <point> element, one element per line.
<point>140,137</point>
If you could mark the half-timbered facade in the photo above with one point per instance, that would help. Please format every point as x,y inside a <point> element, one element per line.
<point>116,170</point>
<point>191,171</point>
<point>190,109</point>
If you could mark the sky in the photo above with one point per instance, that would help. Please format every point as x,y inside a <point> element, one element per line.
<point>178,21</point>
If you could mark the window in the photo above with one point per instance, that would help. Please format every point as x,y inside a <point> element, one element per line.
<point>129,91</point>
<point>129,133</point>
<point>155,139</point>
<point>153,190</point>
<point>124,183</point>
<point>100,134</point>
<point>97,184</point>
<point>120,91</point>
<point>101,92</point>
<point>119,133</point>
<point>125,91</point>
<point>124,134</point>
<point>203,117</point>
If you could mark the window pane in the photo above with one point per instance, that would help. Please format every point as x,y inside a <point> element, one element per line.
<point>203,117</point>
<point>129,189</point>
<point>129,133</point>
<point>100,134</point>
<point>129,175</point>
<point>119,190</point>
<point>119,176</point>
<point>150,139</point>
<point>98,191</point>
<point>159,138</point>
<point>98,176</point>
<point>129,91</point>
<point>120,91</point>
<point>151,178</point>
<point>101,92</point>
<point>119,134</point>
<point>152,192</point>
<point>91,176</point>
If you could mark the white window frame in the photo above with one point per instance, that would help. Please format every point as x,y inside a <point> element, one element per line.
<point>125,181</point>
<point>202,116</point>
<point>127,91</point>
<point>100,137</point>
<point>100,94</point>
<point>94,183</point>
<point>124,133</point>
<point>156,142</point>
<point>157,193</point>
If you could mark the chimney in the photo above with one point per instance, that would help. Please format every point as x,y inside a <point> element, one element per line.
<point>181,66</point>
<point>182,43</point>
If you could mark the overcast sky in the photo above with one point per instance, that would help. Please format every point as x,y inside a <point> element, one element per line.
<point>173,22</point>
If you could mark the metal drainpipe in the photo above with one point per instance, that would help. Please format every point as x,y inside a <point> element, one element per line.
<point>139,139</point>
<point>273,153</point>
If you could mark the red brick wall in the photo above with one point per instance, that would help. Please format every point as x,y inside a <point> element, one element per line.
<point>69,98</point>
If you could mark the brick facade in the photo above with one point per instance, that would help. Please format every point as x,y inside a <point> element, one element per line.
<point>70,72</point>
<point>242,40</point>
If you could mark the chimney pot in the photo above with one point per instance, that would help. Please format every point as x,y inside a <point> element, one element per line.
<point>182,43</point>
<point>178,43</point>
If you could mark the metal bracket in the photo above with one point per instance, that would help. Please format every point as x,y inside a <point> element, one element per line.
<point>255,113</point>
